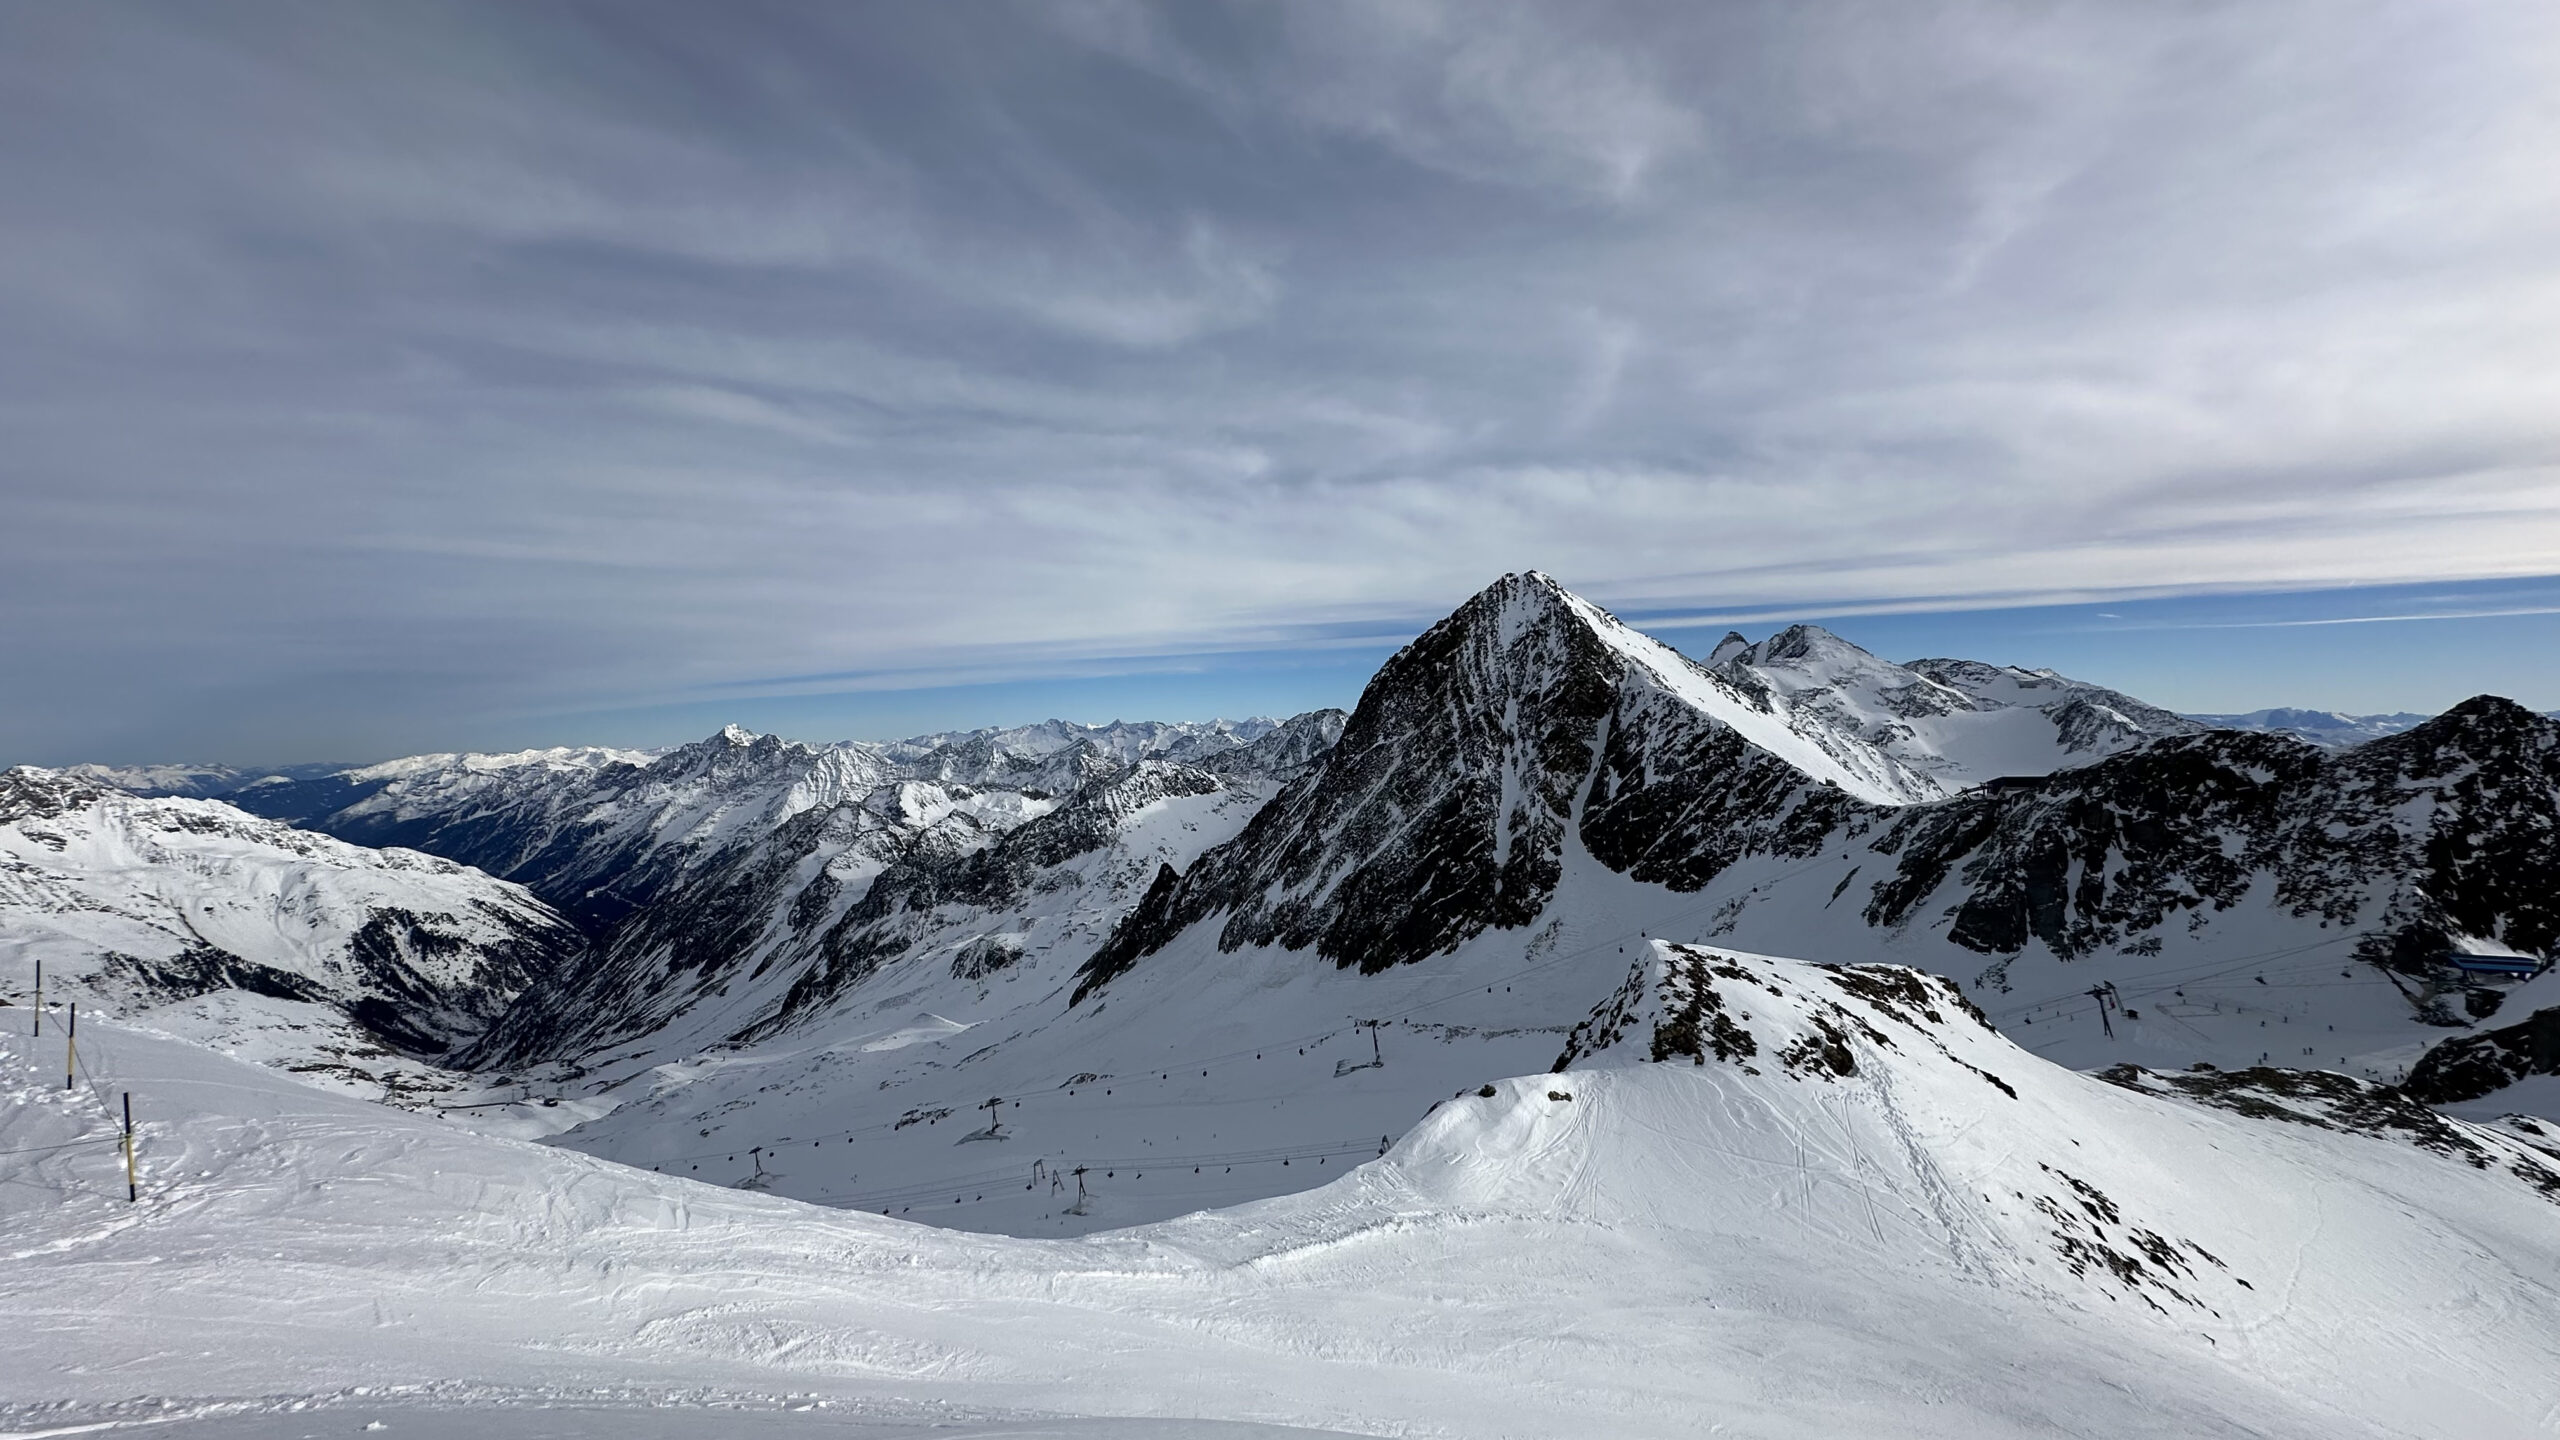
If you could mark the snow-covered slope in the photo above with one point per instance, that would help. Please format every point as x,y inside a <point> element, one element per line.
<point>776,931</point>
<point>1880,1218</point>
<point>1953,724</point>
<point>285,945</point>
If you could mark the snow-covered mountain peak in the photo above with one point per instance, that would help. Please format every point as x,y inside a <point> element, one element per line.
<point>1811,647</point>
<point>1527,633</point>
<point>1474,754</point>
<point>734,750</point>
<point>1948,724</point>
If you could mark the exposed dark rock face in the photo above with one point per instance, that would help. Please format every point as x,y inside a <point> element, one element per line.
<point>2327,1101</point>
<point>1526,719</point>
<point>1445,807</point>
<point>2485,778</point>
<point>2444,830</point>
<point>1526,722</point>
<point>887,920</point>
<point>2468,1067</point>
<point>2083,858</point>
<point>784,903</point>
<point>1677,798</point>
<point>28,794</point>
<point>202,970</point>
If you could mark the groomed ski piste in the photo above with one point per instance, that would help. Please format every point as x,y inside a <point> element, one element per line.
<point>1763,1197</point>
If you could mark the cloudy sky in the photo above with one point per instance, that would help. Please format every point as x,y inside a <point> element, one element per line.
<point>424,376</point>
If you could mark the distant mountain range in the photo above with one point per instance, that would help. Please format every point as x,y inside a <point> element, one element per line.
<point>756,959</point>
<point>2326,728</point>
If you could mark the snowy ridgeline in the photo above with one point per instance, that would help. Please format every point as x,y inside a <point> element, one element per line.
<point>1760,1197</point>
<point>814,967</point>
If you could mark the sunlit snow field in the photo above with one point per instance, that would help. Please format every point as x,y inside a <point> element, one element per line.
<point>1670,1250</point>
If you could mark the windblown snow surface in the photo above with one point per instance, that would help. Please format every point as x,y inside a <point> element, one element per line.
<point>1762,1197</point>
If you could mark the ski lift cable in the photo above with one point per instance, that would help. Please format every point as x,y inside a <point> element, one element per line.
<point>1473,986</point>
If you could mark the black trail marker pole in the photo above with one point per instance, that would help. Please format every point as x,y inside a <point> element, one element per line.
<point>132,1186</point>
<point>39,1030</point>
<point>71,1046</point>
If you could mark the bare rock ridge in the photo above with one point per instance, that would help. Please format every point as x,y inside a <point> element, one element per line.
<point>1472,756</point>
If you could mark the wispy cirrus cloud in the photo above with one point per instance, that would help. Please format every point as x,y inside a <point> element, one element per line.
<point>371,375</point>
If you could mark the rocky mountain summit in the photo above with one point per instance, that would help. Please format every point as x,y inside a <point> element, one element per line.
<point>1531,737</point>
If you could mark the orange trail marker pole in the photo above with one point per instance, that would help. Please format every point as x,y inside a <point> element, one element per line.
<point>71,1046</point>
